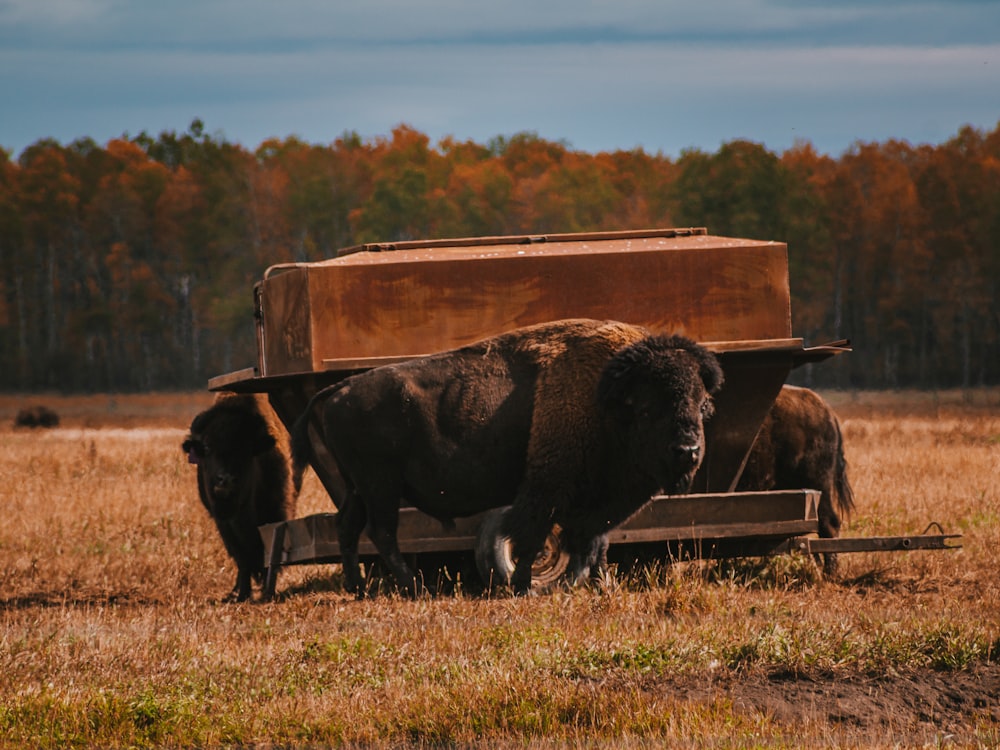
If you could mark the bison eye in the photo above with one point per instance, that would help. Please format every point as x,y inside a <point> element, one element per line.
<point>193,446</point>
<point>707,408</point>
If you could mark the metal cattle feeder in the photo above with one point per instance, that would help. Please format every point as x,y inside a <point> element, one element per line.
<point>318,323</point>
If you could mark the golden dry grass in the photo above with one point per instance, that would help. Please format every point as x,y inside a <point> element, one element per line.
<point>113,633</point>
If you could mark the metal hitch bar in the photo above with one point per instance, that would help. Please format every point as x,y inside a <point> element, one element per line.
<point>924,541</point>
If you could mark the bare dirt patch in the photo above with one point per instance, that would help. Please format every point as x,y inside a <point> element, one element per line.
<point>911,707</point>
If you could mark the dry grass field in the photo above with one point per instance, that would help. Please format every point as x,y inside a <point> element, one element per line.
<point>113,632</point>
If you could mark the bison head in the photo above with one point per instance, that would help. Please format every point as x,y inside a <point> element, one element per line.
<point>224,443</point>
<point>656,395</point>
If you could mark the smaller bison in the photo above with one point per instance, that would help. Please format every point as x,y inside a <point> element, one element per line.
<point>36,416</point>
<point>245,477</point>
<point>575,422</point>
<point>799,445</point>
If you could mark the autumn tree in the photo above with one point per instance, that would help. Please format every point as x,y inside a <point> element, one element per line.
<point>312,189</point>
<point>642,185</point>
<point>528,159</point>
<point>13,329</point>
<point>132,265</point>
<point>816,264</point>
<point>49,196</point>
<point>741,191</point>
<point>478,200</point>
<point>958,186</point>
<point>874,221</point>
<point>177,217</point>
<point>399,206</point>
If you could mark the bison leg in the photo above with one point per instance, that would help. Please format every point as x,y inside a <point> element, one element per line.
<point>829,528</point>
<point>241,591</point>
<point>382,530</point>
<point>351,521</point>
<point>588,557</point>
<point>525,550</point>
<point>528,527</point>
<point>380,506</point>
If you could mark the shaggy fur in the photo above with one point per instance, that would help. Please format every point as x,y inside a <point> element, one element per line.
<point>577,422</point>
<point>800,446</point>
<point>245,478</point>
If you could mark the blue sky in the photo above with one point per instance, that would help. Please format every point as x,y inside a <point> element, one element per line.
<point>599,75</point>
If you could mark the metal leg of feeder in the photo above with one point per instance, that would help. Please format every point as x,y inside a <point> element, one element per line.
<point>274,562</point>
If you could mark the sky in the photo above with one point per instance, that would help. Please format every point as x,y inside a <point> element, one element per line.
<point>597,75</point>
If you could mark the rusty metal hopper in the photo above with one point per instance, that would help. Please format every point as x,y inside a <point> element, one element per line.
<point>376,304</point>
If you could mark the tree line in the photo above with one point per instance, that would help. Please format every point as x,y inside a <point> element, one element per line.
<point>131,266</point>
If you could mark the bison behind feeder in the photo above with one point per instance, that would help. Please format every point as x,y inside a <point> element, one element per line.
<point>576,422</point>
<point>245,477</point>
<point>800,445</point>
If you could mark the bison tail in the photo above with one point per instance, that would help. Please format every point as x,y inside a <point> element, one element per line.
<point>845,495</point>
<point>298,470</point>
<point>301,448</point>
<point>302,452</point>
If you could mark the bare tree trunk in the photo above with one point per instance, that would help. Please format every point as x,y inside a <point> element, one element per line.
<point>51,313</point>
<point>922,333</point>
<point>838,300</point>
<point>966,346</point>
<point>23,358</point>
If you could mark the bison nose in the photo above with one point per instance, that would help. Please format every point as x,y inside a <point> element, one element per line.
<point>222,484</point>
<point>687,455</point>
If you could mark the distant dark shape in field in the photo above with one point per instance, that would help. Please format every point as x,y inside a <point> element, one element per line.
<point>36,416</point>
<point>245,477</point>
<point>575,422</point>
<point>800,446</point>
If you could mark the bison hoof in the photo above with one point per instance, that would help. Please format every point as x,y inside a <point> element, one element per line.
<point>830,566</point>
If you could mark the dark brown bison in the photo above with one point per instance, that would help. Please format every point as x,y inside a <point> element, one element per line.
<point>245,477</point>
<point>799,445</point>
<point>36,416</point>
<point>575,422</point>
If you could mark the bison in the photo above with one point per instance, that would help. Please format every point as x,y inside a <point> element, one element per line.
<point>800,445</point>
<point>245,477</point>
<point>36,416</point>
<point>575,422</point>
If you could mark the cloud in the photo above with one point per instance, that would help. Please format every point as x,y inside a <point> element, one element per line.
<point>601,75</point>
<point>254,25</point>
